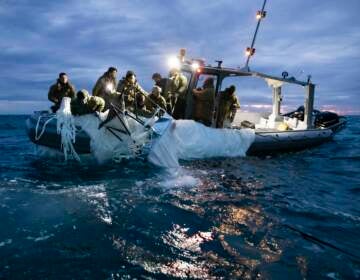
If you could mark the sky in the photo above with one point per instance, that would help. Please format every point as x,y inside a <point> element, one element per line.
<point>40,38</point>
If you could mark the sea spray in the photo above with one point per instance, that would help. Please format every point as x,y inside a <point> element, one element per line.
<point>187,139</point>
<point>179,178</point>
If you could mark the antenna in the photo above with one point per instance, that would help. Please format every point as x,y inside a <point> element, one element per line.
<point>250,51</point>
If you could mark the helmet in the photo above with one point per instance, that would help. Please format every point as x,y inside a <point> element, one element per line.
<point>82,94</point>
<point>111,69</point>
<point>130,73</point>
<point>232,89</point>
<point>156,76</point>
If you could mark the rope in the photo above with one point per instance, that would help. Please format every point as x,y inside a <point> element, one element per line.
<point>37,137</point>
<point>66,128</point>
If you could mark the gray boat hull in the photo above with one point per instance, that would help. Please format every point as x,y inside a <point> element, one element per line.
<point>50,138</point>
<point>266,142</point>
<point>286,141</point>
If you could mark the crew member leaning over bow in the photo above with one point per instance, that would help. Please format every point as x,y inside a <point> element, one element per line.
<point>85,104</point>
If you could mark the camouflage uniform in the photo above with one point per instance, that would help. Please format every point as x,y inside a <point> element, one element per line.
<point>204,105</point>
<point>128,93</point>
<point>58,91</point>
<point>228,104</point>
<point>177,96</point>
<point>88,105</point>
<point>101,89</point>
<point>152,101</point>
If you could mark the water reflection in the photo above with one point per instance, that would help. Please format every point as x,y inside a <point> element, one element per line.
<point>97,197</point>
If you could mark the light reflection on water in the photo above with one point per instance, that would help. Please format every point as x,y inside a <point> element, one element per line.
<point>214,219</point>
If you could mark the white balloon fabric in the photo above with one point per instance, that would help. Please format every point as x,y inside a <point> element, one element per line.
<point>187,139</point>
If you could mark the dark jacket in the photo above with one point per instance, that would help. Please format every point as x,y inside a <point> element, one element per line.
<point>59,90</point>
<point>164,84</point>
<point>204,105</point>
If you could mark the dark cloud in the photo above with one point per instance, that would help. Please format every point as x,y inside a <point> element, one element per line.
<point>42,38</point>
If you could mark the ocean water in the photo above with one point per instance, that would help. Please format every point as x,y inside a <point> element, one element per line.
<point>291,216</point>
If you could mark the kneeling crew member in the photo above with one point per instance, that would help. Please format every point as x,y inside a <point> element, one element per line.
<point>128,89</point>
<point>155,98</point>
<point>85,104</point>
<point>62,88</point>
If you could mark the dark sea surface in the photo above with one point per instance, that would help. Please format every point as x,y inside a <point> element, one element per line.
<point>292,216</point>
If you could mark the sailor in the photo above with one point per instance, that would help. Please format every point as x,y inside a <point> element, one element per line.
<point>162,83</point>
<point>177,96</point>
<point>105,86</point>
<point>140,108</point>
<point>85,104</point>
<point>62,88</point>
<point>128,89</point>
<point>227,107</point>
<point>204,102</point>
<point>155,100</point>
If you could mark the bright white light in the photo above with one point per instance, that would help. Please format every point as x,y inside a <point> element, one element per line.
<point>195,65</point>
<point>110,87</point>
<point>174,62</point>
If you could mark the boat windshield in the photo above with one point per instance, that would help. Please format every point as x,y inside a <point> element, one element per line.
<point>203,77</point>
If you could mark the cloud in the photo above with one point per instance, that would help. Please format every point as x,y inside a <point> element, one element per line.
<point>83,38</point>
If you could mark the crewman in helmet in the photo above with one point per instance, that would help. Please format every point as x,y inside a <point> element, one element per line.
<point>155,100</point>
<point>177,96</point>
<point>62,88</point>
<point>105,86</point>
<point>128,89</point>
<point>227,107</point>
<point>85,104</point>
<point>204,102</point>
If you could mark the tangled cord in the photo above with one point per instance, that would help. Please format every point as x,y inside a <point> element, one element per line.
<point>65,126</point>
<point>37,137</point>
